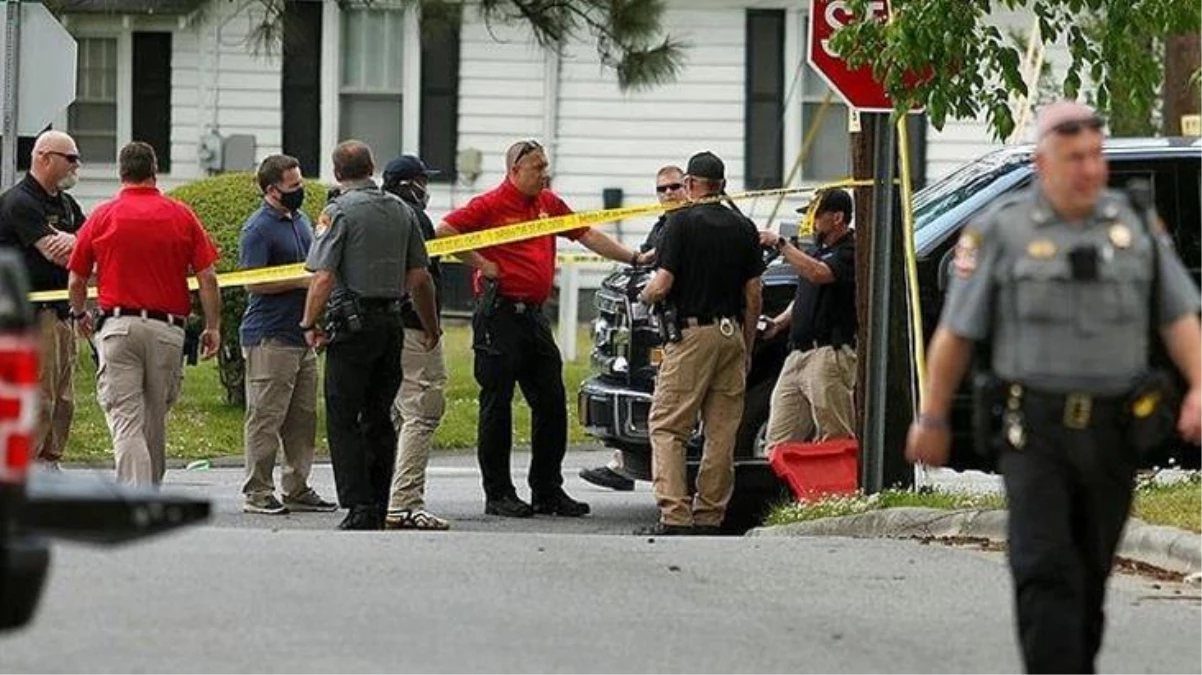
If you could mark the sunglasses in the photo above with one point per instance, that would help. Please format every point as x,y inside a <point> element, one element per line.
<point>70,157</point>
<point>527,148</point>
<point>1073,127</point>
<point>669,187</point>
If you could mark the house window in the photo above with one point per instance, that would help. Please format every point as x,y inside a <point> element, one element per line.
<point>764,103</point>
<point>151,115</point>
<point>440,89</point>
<point>92,118</point>
<point>372,78</point>
<point>829,155</point>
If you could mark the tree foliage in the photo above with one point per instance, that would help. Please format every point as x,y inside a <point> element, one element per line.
<point>966,67</point>
<point>627,33</point>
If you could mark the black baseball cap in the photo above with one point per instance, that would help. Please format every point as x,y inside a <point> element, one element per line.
<point>833,200</point>
<point>706,165</point>
<point>406,167</point>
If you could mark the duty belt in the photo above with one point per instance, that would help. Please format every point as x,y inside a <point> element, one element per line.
<point>1074,410</point>
<point>519,306</point>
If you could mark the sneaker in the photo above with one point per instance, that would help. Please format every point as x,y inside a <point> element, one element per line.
<point>666,530</point>
<point>509,506</point>
<point>603,476</point>
<point>419,519</point>
<point>268,506</point>
<point>559,504</point>
<point>311,502</point>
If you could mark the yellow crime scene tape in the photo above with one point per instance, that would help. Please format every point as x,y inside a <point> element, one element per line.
<point>506,234</point>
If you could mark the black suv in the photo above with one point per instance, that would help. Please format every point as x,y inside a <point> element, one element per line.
<point>615,400</point>
<point>38,504</point>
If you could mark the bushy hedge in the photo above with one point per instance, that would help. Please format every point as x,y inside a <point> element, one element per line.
<point>223,204</point>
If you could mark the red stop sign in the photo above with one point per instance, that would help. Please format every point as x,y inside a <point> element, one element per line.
<point>857,87</point>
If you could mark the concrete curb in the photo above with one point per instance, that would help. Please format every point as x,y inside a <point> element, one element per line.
<point>1168,548</point>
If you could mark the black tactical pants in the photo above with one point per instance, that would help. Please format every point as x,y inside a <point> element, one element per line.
<point>1069,493</point>
<point>363,373</point>
<point>511,347</point>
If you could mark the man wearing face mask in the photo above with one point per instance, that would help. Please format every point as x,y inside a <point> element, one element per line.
<point>38,217</point>
<point>421,400</point>
<point>813,397</point>
<point>281,369</point>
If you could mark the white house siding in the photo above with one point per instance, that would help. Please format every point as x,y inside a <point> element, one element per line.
<point>212,69</point>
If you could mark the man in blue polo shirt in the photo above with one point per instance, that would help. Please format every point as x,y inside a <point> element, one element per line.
<point>281,370</point>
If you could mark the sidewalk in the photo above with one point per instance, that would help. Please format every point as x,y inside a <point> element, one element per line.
<point>1167,548</point>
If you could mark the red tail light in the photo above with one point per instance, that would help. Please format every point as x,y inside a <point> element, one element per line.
<point>19,401</point>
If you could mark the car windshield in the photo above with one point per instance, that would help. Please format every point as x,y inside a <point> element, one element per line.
<point>958,187</point>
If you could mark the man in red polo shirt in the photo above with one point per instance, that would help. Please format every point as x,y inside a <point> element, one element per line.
<point>512,337</point>
<point>142,246</point>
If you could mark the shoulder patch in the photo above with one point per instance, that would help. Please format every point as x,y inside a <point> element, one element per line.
<point>323,224</point>
<point>967,251</point>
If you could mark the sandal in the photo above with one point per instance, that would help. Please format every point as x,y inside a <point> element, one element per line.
<point>416,520</point>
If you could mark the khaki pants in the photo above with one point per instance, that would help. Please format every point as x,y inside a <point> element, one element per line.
<point>281,410</point>
<point>141,366</point>
<point>416,412</point>
<point>814,394</point>
<point>56,340</point>
<point>703,373</point>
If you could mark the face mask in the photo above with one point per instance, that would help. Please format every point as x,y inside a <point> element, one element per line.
<point>417,193</point>
<point>292,200</point>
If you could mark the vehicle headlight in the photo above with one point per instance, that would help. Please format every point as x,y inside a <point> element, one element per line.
<point>601,332</point>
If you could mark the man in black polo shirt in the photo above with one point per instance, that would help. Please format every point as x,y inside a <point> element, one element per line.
<point>814,395</point>
<point>38,217</point>
<point>709,267</point>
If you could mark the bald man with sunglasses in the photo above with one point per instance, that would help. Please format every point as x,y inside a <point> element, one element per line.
<point>40,219</point>
<point>511,336</point>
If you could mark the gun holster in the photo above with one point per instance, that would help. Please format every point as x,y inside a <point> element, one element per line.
<point>1152,411</point>
<point>669,322</point>
<point>343,316</point>
<point>988,405</point>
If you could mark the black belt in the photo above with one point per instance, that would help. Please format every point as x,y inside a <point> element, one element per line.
<point>380,305</point>
<point>1076,410</point>
<point>61,309</point>
<point>816,344</point>
<point>154,314</point>
<point>519,306</point>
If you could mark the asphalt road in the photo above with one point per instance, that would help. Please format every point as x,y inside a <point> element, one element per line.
<point>290,594</point>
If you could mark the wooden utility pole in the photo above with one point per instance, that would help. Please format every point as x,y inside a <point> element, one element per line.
<point>1182,58</point>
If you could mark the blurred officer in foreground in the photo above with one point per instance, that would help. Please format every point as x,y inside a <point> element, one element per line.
<point>142,246</point>
<point>1068,284</point>
<point>669,189</point>
<point>710,263</point>
<point>421,400</point>
<point>367,251</point>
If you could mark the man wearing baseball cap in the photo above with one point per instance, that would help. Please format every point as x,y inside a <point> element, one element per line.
<point>421,400</point>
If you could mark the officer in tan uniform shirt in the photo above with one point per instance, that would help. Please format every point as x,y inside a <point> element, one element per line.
<point>1066,283</point>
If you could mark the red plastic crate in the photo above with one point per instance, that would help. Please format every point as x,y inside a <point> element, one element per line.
<point>818,469</point>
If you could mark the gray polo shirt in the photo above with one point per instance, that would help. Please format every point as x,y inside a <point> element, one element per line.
<point>1014,284</point>
<point>370,240</point>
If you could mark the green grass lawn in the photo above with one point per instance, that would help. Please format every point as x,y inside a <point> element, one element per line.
<point>1176,505</point>
<point>203,425</point>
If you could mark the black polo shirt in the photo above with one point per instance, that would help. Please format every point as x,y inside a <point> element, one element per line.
<point>826,313</point>
<point>27,213</point>
<point>711,252</point>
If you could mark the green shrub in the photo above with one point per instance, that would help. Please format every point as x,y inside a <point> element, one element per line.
<point>223,204</point>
